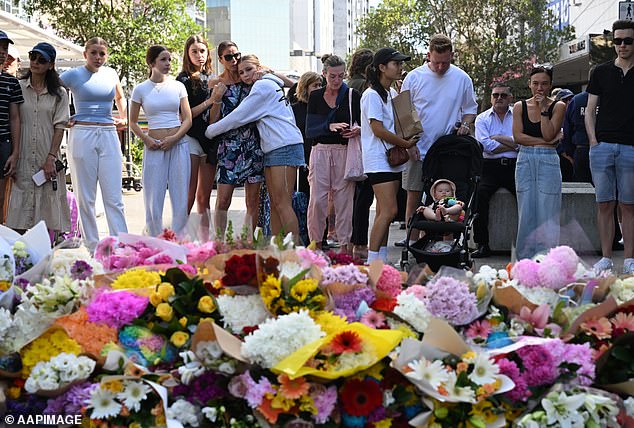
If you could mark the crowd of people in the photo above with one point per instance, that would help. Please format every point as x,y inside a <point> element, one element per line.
<point>242,128</point>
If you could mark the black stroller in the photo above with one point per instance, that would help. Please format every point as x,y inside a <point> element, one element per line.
<point>459,159</point>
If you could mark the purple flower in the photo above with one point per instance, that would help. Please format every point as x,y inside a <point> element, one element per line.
<point>71,402</point>
<point>325,400</point>
<point>347,304</point>
<point>116,309</point>
<point>575,354</point>
<point>204,388</point>
<point>255,394</point>
<point>510,369</point>
<point>81,270</point>
<point>348,274</point>
<point>451,300</point>
<point>540,367</point>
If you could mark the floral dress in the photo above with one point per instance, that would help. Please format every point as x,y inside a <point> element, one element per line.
<point>240,158</point>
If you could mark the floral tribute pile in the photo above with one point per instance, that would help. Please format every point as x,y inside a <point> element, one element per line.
<point>242,333</point>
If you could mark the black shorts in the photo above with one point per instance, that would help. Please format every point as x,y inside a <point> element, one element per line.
<point>5,152</point>
<point>382,177</point>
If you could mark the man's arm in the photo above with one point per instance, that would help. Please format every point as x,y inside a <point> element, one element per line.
<point>590,119</point>
<point>14,121</point>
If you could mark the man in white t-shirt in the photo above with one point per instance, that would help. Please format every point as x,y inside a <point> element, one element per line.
<point>443,95</point>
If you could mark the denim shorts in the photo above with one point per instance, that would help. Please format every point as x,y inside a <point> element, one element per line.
<point>292,155</point>
<point>612,167</point>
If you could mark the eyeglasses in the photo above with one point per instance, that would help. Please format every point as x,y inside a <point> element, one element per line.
<point>37,58</point>
<point>627,41</point>
<point>500,95</point>
<point>229,57</point>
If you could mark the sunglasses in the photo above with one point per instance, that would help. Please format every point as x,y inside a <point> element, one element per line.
<point>229,57</point>
<point>37,58</point>
<point>501,95</point>
<point>627,41</point>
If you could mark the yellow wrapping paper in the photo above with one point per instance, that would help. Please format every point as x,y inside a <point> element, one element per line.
<point>381,341</point>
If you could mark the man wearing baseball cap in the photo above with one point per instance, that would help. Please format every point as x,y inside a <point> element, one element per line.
<point>12,64</point>
<point>10,98</point>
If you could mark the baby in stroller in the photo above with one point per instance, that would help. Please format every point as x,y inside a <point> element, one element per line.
<point>445,206</point>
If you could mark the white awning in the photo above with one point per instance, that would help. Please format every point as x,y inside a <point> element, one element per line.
<point>25,35</point>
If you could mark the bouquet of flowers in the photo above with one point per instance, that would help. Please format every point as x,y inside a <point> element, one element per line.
<point>128,251</point>
<point>579,406</point>
<point>56,295</point>
<point>45,347</point>
<point>623,289</point>
<point>352,348</point>
<point>92,337</point>
<point>7,273</point>
<point>59,372</point>
<point>240,313</point>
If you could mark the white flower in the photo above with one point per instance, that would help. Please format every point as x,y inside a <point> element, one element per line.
<point>185,412</point>
<point>562,409</point>
<point>227,368</point>
<point>210,413</point>
<point>629,406</point>
<point>623,289</point>
<point>600,407</point>
<point>103,404</point>
<point>208,351</point>
<point>413,311</point>
<point>433,373</point>
<point>290,270</point>
<point>484,370</point>
<point>58,371</point>
<point>241,311</point>
<point>275,339</point>
<point>133,393</point>
<point>191,369</point>
<point>539,295</point>
<point>458,393</point>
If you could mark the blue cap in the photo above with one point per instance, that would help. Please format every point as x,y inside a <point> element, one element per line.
<point>3,36</point>
<point>46,50</point>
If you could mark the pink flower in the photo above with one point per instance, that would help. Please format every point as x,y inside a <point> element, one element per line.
<point>417,290</point>
<point>566,257</point>
<point>201,253</point>
<point>599,328</point>
<point>373,319</point>
<point>479,329</point>
<point>526,272</point>
<point>390,282</point>
<point>188,269</point>
<point>310,258</point>
<point>536,318</point>
<point>552,274</point>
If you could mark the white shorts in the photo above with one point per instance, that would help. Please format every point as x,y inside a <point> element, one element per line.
<point>195,148</point>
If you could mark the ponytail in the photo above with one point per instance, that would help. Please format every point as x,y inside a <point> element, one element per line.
<point>373,78</point>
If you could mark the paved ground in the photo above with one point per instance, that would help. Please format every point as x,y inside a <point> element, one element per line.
<point>135,215</point>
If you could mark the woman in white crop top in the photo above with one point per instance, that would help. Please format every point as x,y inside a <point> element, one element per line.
<point>94,149</point>
<point>166,162</point>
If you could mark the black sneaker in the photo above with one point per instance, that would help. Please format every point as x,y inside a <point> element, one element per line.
<point>400,243</point>
<point>482,252</point>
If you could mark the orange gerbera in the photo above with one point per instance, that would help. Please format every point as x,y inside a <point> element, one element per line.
<point>269,413</point>
<point>292,388</point>
<point>346,341</point>
<point>599,328</point>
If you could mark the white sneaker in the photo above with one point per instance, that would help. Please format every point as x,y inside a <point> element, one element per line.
<point>603,265</point>
<point>628,267</point>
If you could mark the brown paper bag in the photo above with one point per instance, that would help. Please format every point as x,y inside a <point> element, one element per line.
<point>406,120</point>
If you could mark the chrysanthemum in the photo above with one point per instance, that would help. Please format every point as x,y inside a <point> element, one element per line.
<point>360,397</point>
<point>133,394</point>
<point>103,404</point>
<point>346,341</point>
<point>599,328</point>
<point>433,373</point>
<point>292,389</point>
<point>484,370</point>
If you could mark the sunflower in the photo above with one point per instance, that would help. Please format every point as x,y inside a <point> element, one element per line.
<point>360,397</point>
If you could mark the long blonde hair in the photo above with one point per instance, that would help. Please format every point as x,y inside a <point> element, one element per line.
<point>304,83</point>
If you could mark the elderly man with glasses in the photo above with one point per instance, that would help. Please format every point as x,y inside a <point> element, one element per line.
<point>494,130</point>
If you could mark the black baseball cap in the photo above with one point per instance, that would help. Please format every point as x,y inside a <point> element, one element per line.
<point>3,36</point>
<point>385,55</point>
<point>46,50</point>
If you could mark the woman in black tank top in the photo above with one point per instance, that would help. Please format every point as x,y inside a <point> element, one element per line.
<point>536,127</point>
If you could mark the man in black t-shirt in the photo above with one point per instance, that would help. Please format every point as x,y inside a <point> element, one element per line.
<point>10,98</point>
<point>611,138</point>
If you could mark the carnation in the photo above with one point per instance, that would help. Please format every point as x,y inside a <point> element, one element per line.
<point>520,392</point>
<point>116,309</point>
<point>241,311</point>
<point>540,367</point>
<point>390,282</point>
<point>526,272</point>
<point>275,339</point>
<point>201,253</point>
<point>412,310</point>
<point>451,300</point>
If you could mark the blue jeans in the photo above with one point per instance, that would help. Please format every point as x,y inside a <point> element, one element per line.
<point>538,184</point>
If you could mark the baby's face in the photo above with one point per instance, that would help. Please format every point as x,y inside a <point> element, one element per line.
<point>443,190</point>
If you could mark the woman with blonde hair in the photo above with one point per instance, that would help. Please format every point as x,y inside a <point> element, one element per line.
<point>94,149</point>
<point>196,75</point>
<point>280,140</point>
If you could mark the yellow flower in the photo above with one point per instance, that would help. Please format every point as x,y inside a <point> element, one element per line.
<point>279,402</point>
<point>4,285</point>
<point>330,323</point>
<point>155,299</point>
<point>135,425</point>
<point>320,300</point>
<point>183,322</point>
<point>298,294</point>
<point>112,385</point>
<point>385,423</point>
<point>179,338</point>
<point>136,278</point>
<point>165,290</point>
<point>13,392</point>
<point>484,411</point>
<point>271,288</point>
<point>307,404</point>
<point>206,304</point>
<point>306,285</point>
<point>469,356</point>
<point>165,312</point>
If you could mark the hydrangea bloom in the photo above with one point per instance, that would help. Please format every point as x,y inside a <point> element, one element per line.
<point>451,300</point>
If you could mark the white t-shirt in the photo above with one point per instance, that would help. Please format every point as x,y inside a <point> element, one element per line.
<point>374,156</point>
<point>441,101</point>
<point>160,102</point>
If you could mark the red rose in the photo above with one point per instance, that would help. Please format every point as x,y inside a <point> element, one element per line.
<point>244,274</point>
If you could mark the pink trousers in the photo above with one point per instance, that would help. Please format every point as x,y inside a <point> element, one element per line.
<point>325,174</point>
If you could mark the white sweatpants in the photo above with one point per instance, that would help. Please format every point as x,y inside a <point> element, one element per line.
<point>94,153</point>
<point>163,170</point>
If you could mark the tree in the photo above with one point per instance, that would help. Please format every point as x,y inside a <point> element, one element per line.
<point>129,27</point>
<point>493,39</point>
